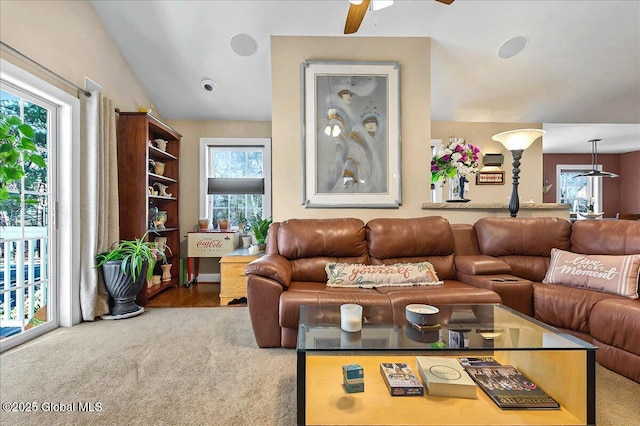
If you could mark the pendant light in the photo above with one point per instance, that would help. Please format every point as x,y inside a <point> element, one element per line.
<point>594,161</point>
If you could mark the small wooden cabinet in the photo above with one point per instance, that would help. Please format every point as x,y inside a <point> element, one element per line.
<point>233,281</point>
<point>138,181</point>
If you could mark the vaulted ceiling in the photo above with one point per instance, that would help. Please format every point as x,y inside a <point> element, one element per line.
<point>581,64</point>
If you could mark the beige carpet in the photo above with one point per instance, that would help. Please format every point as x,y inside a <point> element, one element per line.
<point>184,366</point>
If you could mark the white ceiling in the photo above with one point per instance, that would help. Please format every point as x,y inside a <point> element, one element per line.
<point>582,63</point>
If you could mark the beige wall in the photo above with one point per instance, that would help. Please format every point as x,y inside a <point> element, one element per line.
<point>68,38</point>
<point>413,55</point>
<point>479,134</point>
<point>191,132</point>
<point>287,53</point>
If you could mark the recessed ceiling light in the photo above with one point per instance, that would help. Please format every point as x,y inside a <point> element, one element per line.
<point>512,47</point>
<point>243,44</point>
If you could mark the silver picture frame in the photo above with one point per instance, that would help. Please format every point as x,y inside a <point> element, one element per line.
<point>351,144</point>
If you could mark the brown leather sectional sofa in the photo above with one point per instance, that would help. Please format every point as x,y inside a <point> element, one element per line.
<point>609,321</point>
<point>468,258</point>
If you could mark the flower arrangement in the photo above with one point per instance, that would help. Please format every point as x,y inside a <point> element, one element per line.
<point>456,158</point>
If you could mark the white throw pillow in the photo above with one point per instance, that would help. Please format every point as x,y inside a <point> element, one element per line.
<point>371,276</point>
<point>609,274</point>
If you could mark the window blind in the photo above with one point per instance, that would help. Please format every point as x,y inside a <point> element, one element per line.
<point>235,186</point>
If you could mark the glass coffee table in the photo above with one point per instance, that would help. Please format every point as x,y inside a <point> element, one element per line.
<point>560,364</point>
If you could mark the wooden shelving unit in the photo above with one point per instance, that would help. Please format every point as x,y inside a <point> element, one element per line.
<point>136,132</point>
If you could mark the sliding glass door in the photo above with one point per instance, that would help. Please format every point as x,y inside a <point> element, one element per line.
<point>27,227</point>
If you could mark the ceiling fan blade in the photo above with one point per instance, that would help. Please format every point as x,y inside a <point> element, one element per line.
<point>445,1</point>
<point>355,16</point>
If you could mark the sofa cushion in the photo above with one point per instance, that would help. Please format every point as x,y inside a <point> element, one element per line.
<point>522,236</point>
<point>372,276</point>
<point>301,238</point>
<point>523,243</point>
<point>422,239</point>
<point>613,237</point>
<point>452,292</point>
<point>610,274</point>
<point>311,243</point>
<point>305,293</point>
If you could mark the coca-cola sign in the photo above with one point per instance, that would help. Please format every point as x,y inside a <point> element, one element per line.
<point>209,243</point>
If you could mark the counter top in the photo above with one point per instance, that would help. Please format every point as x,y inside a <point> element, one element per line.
<point>495,206</point>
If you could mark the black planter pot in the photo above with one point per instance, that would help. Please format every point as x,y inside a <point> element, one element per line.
<point>122,288</point>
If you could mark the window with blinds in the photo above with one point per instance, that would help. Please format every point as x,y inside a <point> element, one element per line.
<point>237,181</point>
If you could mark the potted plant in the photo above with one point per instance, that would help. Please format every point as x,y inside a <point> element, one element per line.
<point>241,219</point>
<point>223,220</point>
<point>126,267</point>
<point>260,228</point>
<point>16,149</point>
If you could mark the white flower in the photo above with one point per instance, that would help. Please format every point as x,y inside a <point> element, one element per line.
<point>456,156</point>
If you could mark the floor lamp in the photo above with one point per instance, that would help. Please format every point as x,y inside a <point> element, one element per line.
<point>517,141</point>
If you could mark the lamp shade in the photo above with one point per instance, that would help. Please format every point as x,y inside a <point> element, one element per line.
<point>518,139</point>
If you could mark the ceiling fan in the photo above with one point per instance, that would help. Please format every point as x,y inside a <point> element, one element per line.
<point>358,9</point>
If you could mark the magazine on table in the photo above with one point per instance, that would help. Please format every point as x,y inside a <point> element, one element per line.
<point>509,388</point>
<point>477,361</point>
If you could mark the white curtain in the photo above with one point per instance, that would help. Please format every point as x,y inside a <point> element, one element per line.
<point>99,226</point>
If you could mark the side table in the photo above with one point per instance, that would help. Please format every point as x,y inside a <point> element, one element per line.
<point>233,281</point>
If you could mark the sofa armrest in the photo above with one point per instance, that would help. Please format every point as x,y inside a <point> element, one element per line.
<point>515,292</point>
<point>481,265</point>
<point>271,266</point>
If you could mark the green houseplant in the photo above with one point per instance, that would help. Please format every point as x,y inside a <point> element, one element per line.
<point>125,267</point>
<point>260,228</point>
<point>16,149</point>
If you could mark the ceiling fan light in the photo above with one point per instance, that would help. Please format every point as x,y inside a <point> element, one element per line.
<point>381,4</point>
<point>356,2</point>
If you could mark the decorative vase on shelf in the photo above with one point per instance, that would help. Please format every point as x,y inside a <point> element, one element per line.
<point>436,191</point>
<point>153,216</point>
<point>161,243</point>
<point>166,272</point>
<point>456,189</point>
<point>158,168</point>
<point>161,219</point>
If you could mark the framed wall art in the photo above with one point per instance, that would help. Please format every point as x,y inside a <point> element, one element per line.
<point>351,134</point>
<point>490,178</point>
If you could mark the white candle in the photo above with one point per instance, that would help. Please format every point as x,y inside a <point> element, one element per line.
<point>351,317</point>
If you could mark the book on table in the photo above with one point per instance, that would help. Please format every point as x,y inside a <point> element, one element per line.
<point>509,388</point>
<point>445,377</point>
<point>400,379</point>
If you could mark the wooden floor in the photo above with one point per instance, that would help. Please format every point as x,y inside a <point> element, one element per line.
<point>197,295</point>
